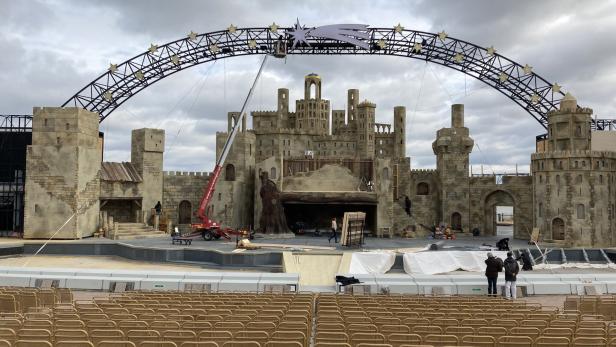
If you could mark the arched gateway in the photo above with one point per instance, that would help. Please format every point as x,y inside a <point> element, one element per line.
<point>530,91</point>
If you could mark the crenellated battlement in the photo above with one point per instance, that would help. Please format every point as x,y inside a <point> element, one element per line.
<point>186,173</point>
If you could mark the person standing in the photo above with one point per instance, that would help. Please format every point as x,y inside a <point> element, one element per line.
<point>407,205</point>
<point>158,208</point>
<point>493,267</point>
<point>333,235</point>
<point>511,271</point>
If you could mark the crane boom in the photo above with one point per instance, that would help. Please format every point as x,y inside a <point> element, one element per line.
<point>207,223</point>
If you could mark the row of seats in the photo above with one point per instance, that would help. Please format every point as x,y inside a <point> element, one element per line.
<point>21,299</point>
<point>297,319</point>
<point>604,305</point>
<point>167,319</point>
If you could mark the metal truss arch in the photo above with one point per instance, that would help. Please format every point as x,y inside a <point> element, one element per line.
<point>111,89</point>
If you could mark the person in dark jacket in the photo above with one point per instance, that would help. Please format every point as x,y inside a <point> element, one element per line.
<point>527,263</point>
<point>511,272</point>
<point>494,265</point>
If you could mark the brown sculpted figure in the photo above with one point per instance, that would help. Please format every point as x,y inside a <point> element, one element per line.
<point>272,219</point>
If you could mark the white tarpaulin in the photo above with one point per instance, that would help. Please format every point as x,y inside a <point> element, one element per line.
<point>430,263</point>
<point>375,262</point>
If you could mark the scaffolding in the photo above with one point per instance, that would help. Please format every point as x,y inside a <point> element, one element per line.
<point>15,136</point>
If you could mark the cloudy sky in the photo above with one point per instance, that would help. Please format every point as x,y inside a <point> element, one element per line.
<point>51,49</point>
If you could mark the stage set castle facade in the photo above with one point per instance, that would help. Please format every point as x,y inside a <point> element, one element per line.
<point>321,171</point>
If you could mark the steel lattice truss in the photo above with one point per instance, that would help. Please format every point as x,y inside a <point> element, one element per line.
<point>110,90</point>
<point>15,123</point>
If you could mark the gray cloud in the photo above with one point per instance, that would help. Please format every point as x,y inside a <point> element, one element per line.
<point>52,49</point>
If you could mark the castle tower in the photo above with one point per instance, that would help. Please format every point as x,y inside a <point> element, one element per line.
<point>232,118</point>
<point>399,132</point>
<point>573,204</point>
<point>283,101</point>
<point>147,147</point>
<point>338,121</point>
<point>62,174</point>
<point>569,128</point>
<point>352,105</point>
<point>312,113</point>
<point>365,129</point>
<point>452,148</point>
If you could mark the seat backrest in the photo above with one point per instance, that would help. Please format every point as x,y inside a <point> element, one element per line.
<point>515,341</point>
<point>440,339</point>
<point>548,341</point>
<point>157,344</point>
<point>62,343</point>
<point>558,332</point>
<point>478,340</point>
<point>32,343</point>
<point>241,344</point>
<point>589,341</point>
<point>118,343</point>
<point>139,335</point>
<point>283,344</point>
<point>331,344</point>
<point>531,332</point>
<point>331,336</point>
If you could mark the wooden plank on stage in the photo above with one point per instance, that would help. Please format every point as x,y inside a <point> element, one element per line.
<point>285,246</point>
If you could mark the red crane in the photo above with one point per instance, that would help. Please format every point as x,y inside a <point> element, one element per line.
<point>209,228</point>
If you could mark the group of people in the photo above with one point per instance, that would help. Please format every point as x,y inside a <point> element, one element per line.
<point>443,232</point>
<point>494,265</point>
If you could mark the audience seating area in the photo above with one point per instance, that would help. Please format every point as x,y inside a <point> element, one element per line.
<point>32,317</point>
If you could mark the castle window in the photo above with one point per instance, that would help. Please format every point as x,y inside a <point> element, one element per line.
<point>273,173</point>
<point>560,164</point>
<point>219,196</point>
<point>230,172</point>
<point>423,188</point>
<point>583,163</point>
<point>600,179</point>
<point>540,179</point>
<point>578,131</point>
<point>386,173</point>
<point>578,179</point>
<point>68,126</point>
<point>541,165</point>
<point>576,164</point>
<point>557,179</point>
<point>580,211</point>
<point>540,212</point>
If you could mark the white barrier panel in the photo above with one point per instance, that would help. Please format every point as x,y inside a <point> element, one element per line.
<point>476,284</point>
<point>447,261</point>
<point>373,262</point>
<point>99,279</point>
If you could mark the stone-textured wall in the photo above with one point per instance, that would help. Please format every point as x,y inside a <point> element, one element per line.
<point>120,189</point>
<point>181,186</point>
<point>62,174</point>
<point>425,208</point>
<point>233,195</point>
<point>383,186</point>
<point>485,194</point>
<point>147,147</point>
